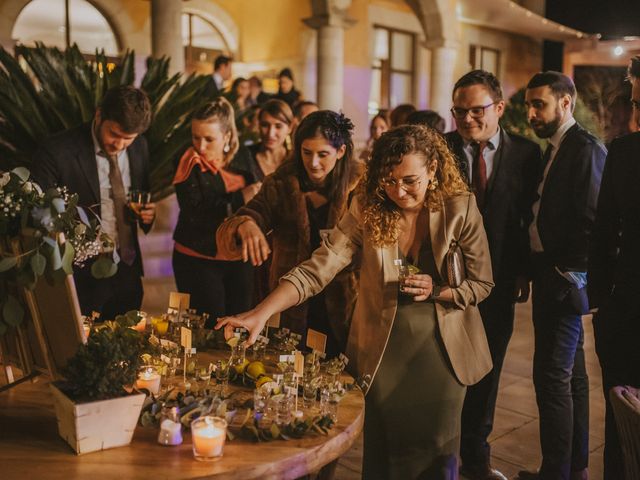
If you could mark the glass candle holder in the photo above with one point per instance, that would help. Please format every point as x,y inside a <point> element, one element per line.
<point>208,435</point>
<point>170,427</point>
<point>149,379</point>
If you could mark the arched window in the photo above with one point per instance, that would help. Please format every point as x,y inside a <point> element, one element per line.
<point>60,23</point>
<point>202,42</point>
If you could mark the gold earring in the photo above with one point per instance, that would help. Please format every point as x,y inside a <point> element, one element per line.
<point>433,184</point>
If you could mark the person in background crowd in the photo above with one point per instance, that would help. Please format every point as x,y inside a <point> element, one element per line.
<point>613,275</point>
<point>398,115</point>
<point>221,71</point>
<point>300,111</point>
<point>502,169</point>
<point>210,185</point>
<point>256,95</point>
<point>239,97</point>
<point>413,346</point>
<point>428,118</point>
<point>559,235</point>
<point>379,124</point>
<point>286,89</point>
<point>102,161</point>
<point>248,127</point>
<point>304,198</point>
<point>274,125</point>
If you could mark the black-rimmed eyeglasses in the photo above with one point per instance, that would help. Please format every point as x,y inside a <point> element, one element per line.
<point>474,112</point>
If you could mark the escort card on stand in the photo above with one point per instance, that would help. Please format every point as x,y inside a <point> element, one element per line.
<point>179,301</point>
<point>316,340</point>
<point>298,363</point>
<point>185,341</point>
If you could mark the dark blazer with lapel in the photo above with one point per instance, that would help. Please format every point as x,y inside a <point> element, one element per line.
<point>68,159</point>
<point>510,194</point>
<point>614,253</point>
<point>569,199</point>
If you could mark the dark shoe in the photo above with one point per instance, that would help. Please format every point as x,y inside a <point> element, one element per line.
<point>526,475</point>
<point>481,472</point>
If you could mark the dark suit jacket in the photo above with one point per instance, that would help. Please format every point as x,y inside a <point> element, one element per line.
<point>614,253</point>
<point>68,159</point>
<point>510,194</point>
<point>568,203</point>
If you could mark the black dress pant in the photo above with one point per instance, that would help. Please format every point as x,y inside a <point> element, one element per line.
<point>217,287</point>
<point>109,296</point>
<point>616,329</point>
<point>559,377</point>
<point>497,312</point>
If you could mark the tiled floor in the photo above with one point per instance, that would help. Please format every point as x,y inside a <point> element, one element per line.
<point>514,440</point>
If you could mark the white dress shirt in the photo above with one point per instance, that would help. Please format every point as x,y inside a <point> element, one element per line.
<point>555,141</point>
<point>107,210</point>
<point>489,152</point>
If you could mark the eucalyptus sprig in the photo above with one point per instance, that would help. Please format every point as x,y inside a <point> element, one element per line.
<point>53,234</point>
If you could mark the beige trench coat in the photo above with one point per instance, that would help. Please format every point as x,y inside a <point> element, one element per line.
<point>460,324</point>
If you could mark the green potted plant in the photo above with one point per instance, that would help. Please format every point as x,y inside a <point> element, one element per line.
<point>95,405</point>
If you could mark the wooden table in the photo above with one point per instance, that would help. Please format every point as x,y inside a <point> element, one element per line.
<point>30,447</point>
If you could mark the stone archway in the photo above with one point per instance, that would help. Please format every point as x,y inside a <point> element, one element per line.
<point>220,19</point>
<point>121,24</point>
<point>441,28</point>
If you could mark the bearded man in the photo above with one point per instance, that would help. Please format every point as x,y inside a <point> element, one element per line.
<point>563,219</point>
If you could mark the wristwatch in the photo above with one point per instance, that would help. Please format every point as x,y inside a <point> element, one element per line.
<point>435,292</point>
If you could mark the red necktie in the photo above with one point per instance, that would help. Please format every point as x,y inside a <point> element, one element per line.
<point>479,175</point>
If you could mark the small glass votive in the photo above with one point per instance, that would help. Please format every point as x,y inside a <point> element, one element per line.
<point>208,435</point>
<point>222,375</point>
<point>309,393</point>
<point>170,427</point>
<point>261,399</point>
<point>149,379</point>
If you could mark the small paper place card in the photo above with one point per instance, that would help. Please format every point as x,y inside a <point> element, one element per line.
<point>185,338</point>
<point>168,344</point>
<point>164,358</point>
<point>274,321</point>
<point>287,358</point>
<point>298,363</point>
<point>321,355</point>
<point>344,359</point>
<point>263,339</point>
<point>316,340</point>
<point>293,391</point>
<point>179,301</point>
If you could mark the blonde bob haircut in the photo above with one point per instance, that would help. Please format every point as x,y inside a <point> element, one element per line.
<point>220,111</point>
<point>381,214</point>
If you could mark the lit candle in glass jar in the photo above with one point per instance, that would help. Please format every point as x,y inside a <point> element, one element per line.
<point>149,378</point>
<point>208,434</point>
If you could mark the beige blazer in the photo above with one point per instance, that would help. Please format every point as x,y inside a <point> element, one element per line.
<point>459,323</point>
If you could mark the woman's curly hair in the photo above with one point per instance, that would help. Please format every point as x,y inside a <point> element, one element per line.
<point>381,214</point>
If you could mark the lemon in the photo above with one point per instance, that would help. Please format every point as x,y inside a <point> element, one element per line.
<point>255,369</point>
<point>240,368</point>
<point>233,341</point>
<point>262,380</point>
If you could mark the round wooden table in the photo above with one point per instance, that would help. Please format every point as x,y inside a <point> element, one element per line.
<point>30,447</point>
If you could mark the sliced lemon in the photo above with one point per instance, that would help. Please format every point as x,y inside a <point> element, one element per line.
<point>233,341</point>
<point>264,380</point>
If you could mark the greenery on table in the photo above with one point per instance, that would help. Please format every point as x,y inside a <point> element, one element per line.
<point>108,362</point>
<point>44,90</point>
<point>43,234</point>
<point>239,415</point>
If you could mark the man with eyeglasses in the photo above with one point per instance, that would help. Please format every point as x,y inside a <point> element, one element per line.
<point>613,275</point>
<point>564,214</point>
<point>502,169</point>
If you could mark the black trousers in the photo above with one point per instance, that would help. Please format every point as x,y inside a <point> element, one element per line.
<point>109,296</point>
<point>616,329</point>
<point>217,287</point>
<point>559,377</point>
<point>497,312</point>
